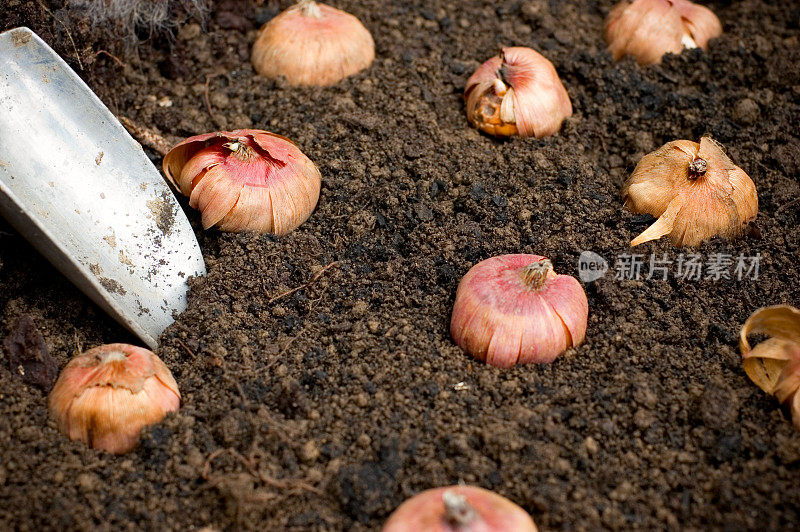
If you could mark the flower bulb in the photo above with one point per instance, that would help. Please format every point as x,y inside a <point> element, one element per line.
<point>107,395</point>
<point>312,44</point>
<point>245,180</point>
<point>514,309</point>
<point>517,93</point>
<point>459,509</point>
<point>648,29</point>
<point>694,190</point>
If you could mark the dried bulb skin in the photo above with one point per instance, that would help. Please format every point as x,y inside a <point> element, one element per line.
<point>459,509</point>
<point>107,395</point>
<point>245,180</point>
<point>312,44</point>
<point>774,364</point>
<point>514,309</point>
<point>648,29</point>
<point>517,93</point>
<point>694,190</point>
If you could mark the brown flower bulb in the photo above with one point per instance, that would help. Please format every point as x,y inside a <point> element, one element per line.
<point>459,509</point>
<point>774,364</point>
<point>694,190</point>
<point>245,180</point>
<point>648,29</point>
<point>517,93</point>
<point>312,44</point>
<point>514,309</point>
<point>105,396</point>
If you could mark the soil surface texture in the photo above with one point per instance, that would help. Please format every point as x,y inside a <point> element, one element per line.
<point>320,384</point>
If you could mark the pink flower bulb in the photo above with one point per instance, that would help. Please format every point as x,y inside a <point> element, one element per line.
<point>514,309</point>
<point>459,509</point>
<point>245,180</point>
<point>107,395</point>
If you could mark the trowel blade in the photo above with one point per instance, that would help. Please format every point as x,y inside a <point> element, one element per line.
<point>77,186</point>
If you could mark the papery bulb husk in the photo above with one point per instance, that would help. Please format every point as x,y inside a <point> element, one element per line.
<point>648,29</point>
<point>246,180</point>
<point>313,44</point>
<point>690,209</point>
<point>774,364</point>
<point>107,395</point>
<point>487,512</point>
<point>498,319</point>
<point>517,93</point>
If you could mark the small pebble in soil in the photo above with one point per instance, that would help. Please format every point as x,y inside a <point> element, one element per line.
<point>746,111</point>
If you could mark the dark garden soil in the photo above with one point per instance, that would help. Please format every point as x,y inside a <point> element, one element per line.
<point>325,408</point>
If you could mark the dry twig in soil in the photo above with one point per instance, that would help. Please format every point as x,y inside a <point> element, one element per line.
<point>312,281</point>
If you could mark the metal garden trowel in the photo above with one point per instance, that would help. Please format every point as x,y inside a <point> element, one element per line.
<point>82,191</point>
